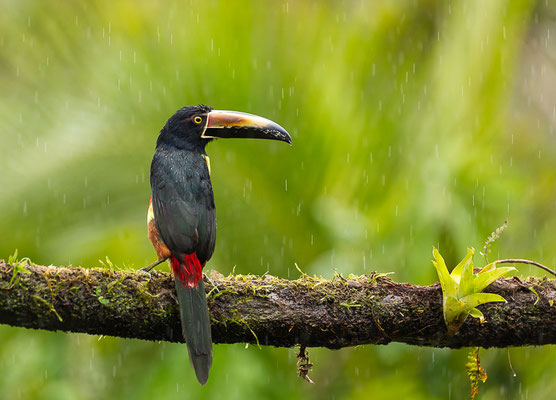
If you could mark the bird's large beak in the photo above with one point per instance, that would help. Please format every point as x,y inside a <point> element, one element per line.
<point>233,124</point>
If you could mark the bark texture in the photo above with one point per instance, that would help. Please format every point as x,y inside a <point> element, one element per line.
<point>369,309</point>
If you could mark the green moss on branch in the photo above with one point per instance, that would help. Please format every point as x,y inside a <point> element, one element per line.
<point>370,309</point>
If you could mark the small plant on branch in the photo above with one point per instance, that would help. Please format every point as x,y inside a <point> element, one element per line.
<point>462,289</point>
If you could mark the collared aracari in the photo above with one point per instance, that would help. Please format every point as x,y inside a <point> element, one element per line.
<point>181,218</point>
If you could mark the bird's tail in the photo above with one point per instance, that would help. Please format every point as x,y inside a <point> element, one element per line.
<point>195,321</point>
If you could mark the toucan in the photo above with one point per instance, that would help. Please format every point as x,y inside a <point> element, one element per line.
<point>181,219</point>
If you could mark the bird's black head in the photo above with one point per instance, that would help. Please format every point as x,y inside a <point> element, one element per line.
<point>192,127</point>
<point>184,129</point>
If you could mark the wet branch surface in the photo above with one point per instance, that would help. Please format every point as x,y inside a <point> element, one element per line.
<point>312,312</point>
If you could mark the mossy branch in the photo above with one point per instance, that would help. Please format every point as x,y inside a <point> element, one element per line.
<point>370,309</point>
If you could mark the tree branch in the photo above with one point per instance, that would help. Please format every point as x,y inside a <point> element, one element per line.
<point>370,309</point>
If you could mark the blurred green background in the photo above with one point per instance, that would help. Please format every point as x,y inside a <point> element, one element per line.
<point>415,123</point>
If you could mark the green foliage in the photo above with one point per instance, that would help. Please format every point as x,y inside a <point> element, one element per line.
<point>19,266</point>
<point>461,289</point>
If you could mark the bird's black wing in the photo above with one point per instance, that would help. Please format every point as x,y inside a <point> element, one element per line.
<point>183,203</point>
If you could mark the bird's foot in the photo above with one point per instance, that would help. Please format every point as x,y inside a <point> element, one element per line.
<point>143,271</point>
<point>151,266</point>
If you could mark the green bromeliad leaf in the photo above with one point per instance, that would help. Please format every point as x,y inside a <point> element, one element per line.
<point>461,289</point>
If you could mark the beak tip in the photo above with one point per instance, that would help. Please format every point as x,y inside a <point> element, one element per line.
<point>288,140</point>
<point>286,136</point>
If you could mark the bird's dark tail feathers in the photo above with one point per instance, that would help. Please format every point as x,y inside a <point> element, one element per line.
<point>195,323</point>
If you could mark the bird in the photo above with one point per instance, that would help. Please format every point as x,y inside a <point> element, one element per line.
<point>181,218</point>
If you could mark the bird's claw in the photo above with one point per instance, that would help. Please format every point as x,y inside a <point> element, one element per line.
<point>144,271</point>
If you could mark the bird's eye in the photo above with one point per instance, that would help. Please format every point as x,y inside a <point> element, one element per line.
<point>197,119</point>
